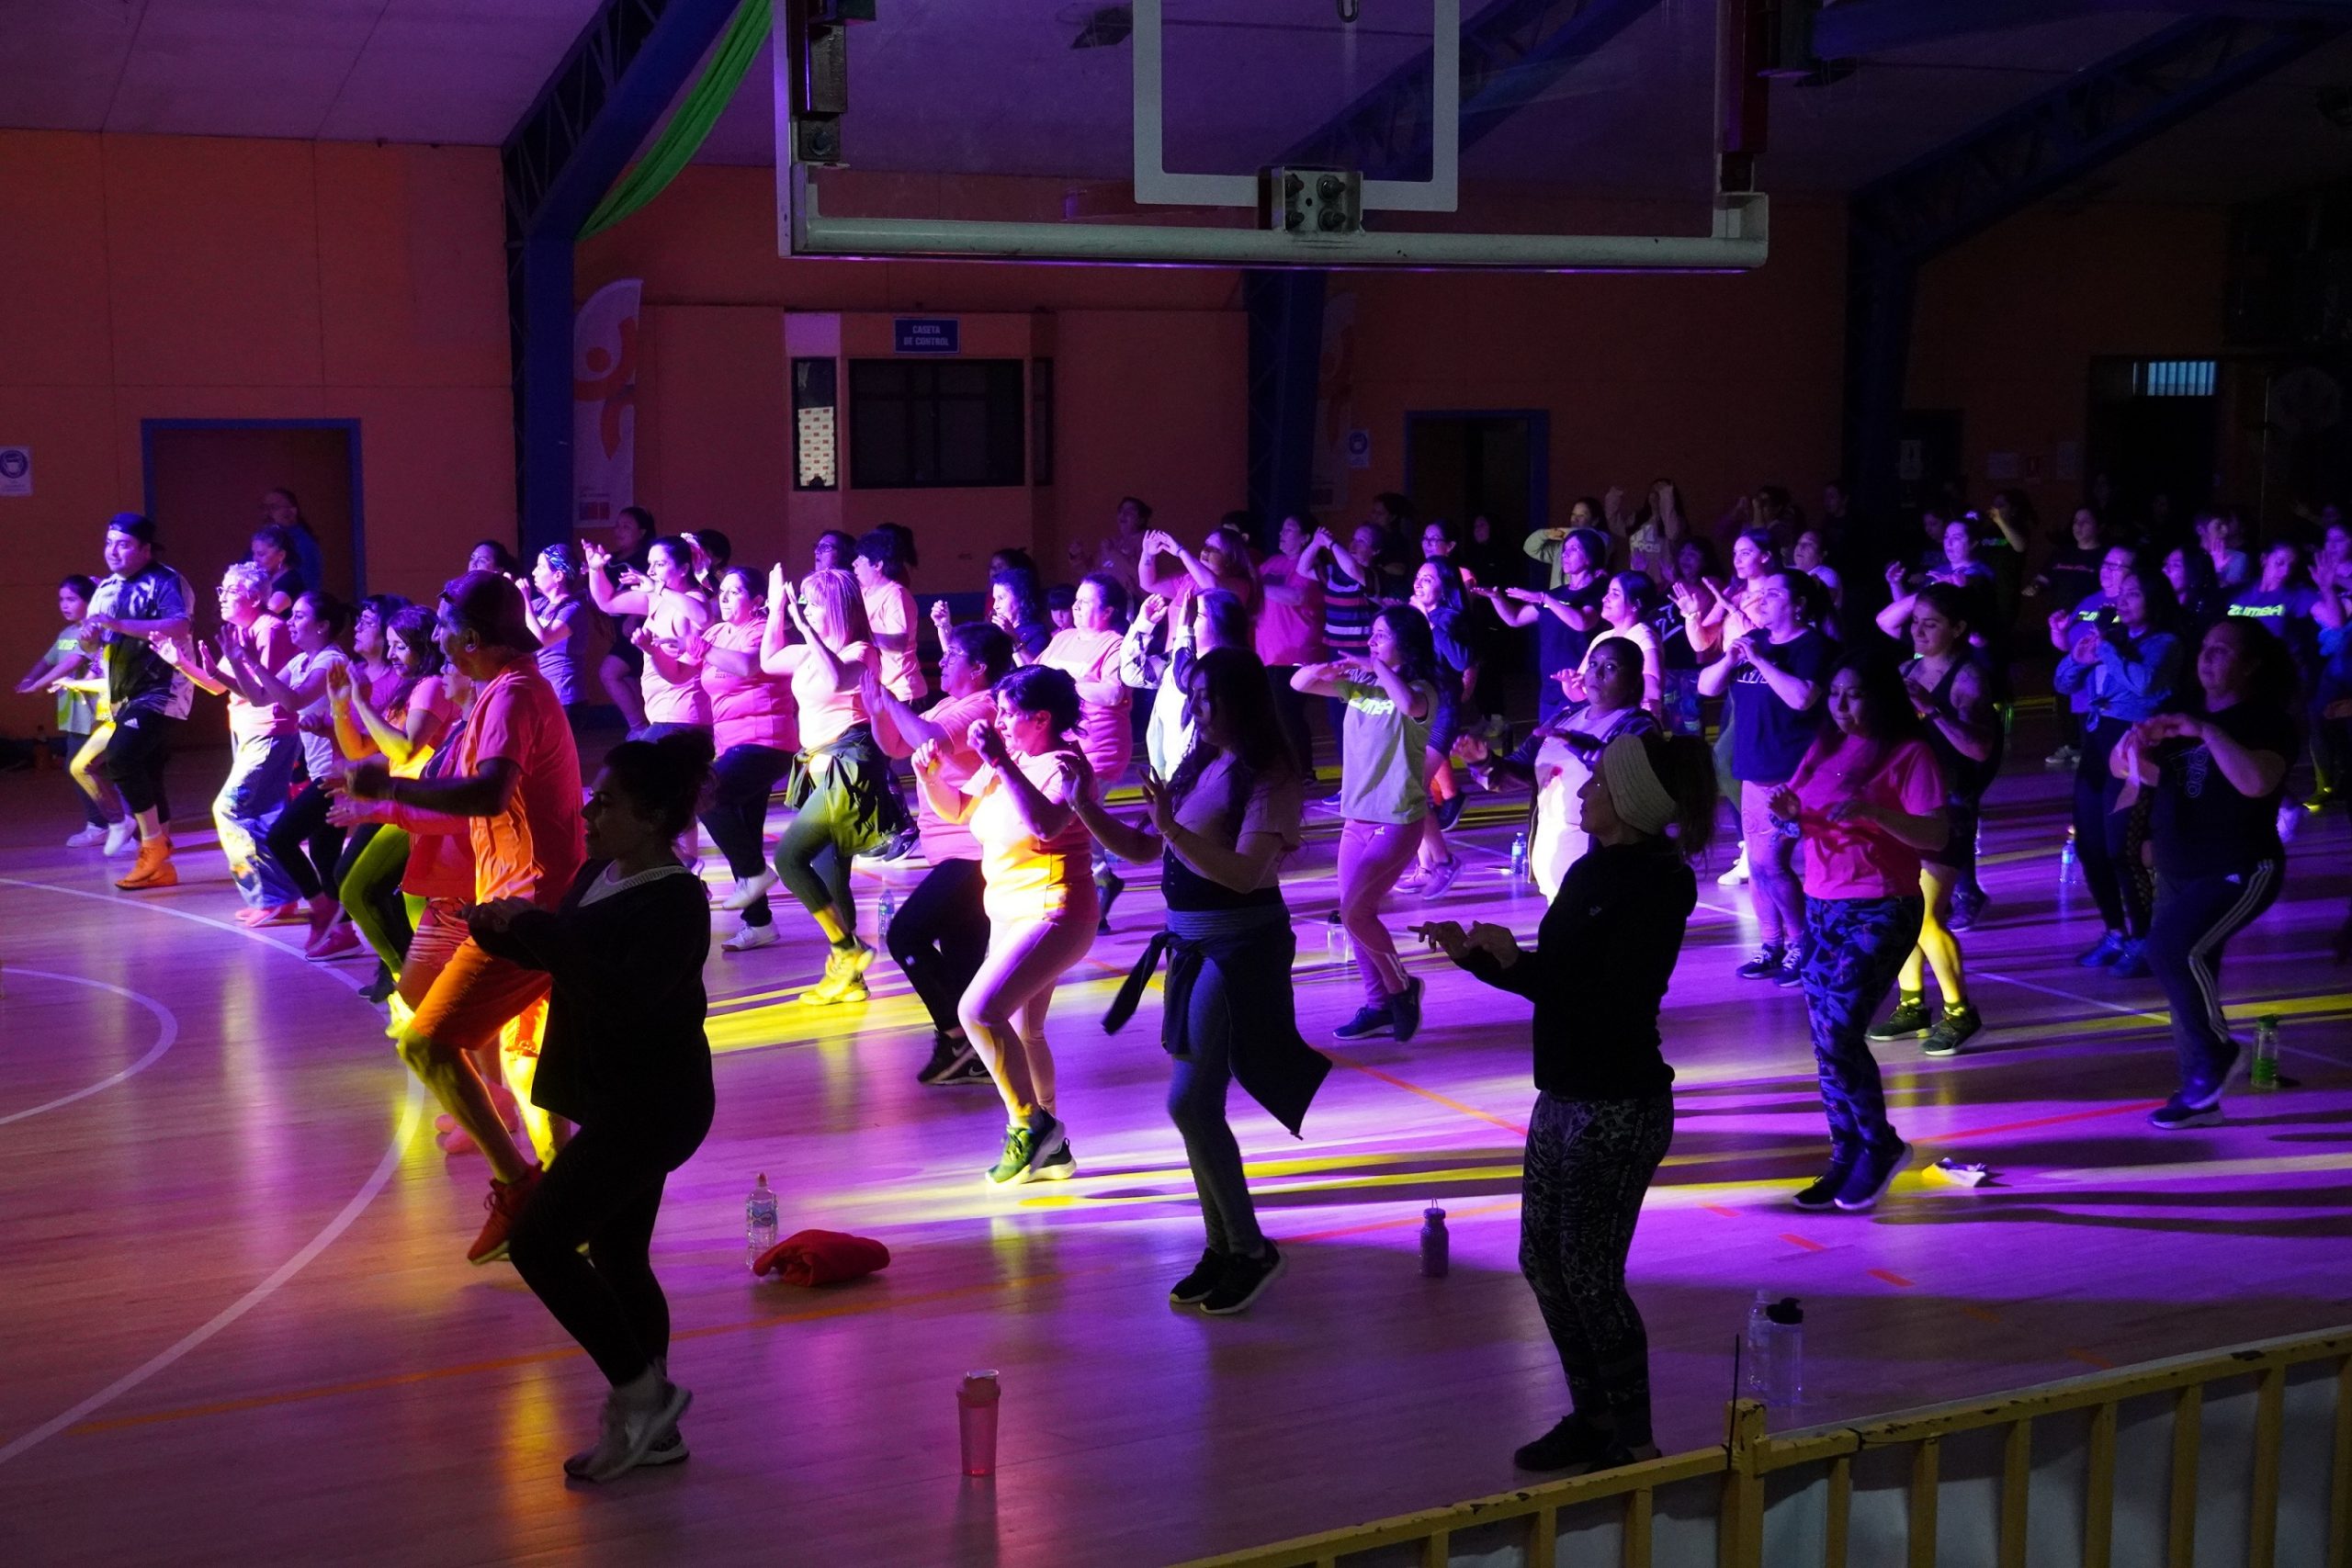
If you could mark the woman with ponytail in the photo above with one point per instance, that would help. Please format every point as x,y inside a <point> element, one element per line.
<point>1605,1112</point>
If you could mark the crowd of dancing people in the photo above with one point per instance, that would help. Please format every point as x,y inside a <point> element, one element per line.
<point>406,781</point>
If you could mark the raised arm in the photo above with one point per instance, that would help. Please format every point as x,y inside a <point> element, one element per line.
<point>613,600</point>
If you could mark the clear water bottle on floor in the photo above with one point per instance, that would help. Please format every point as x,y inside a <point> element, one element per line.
<point>1518,860</point>
<point>1334,939</point>
<point>2265,1071</point>
<point>1773,1357</point>
<point>2066,857</point>
<point>759,1221</point>
<point>886,909</point>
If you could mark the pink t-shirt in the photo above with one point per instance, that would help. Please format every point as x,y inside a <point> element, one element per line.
<point>890,611</point>
<point>1289,634</point>
<point>533,848</point>
<point>828,707</point>
<point>274,647</point>
<point>668,701</point>
<point>748,710</point>
<point>1103,737</point>
<point>942,840</point>
<point>1858,859</point>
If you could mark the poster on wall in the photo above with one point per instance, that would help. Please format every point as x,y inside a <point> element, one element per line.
<point>604,403</point>
<point>15,470</point>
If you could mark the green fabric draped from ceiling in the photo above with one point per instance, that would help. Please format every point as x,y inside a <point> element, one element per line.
<point>683,137</point>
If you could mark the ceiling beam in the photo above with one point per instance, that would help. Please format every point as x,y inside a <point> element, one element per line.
<point>1858,30</point>
<point>620,74</point>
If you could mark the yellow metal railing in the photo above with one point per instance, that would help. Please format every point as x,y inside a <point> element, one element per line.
<point>1827,1456</point>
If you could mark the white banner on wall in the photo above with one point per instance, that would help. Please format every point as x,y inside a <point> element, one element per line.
<point>604,403</point>
<point>15,470</point>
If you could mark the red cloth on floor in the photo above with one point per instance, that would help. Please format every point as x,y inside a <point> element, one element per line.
<point>823,1257</point>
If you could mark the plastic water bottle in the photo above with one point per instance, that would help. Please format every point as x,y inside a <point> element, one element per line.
<point>1334,939</point>
<point>759,1221</point>
<point>886,909</point>
<point>2066,859</point>
<point>1773,1357</point>
<point>2264,1072</point>
<point>976,1403</point>
<point>1437,1249</point>
<point>1518,858</point>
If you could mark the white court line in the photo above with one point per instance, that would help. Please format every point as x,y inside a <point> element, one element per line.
<point>169,1032</point>
<point>2121,1010</point>
<point>340,972</point>
<point>411,1114</point>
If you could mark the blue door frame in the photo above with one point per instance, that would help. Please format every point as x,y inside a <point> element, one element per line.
<point>1539,455</point>
<point>350,428</point>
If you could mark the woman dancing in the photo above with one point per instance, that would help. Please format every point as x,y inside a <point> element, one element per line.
<point>1390,700</point>
<point>670,610</point>
<point>1039,898</point>
<point>1089,653</point>
<point>756,730</point>
<point>1605,1112</point>
<point>2128,659</point>
<point>1950,689</point>
<point>1870,801</point>
<point>628,1062</point>
<point>842,795</point>
<point>941,933</point>
<point>1220,828</point>
<point>2219,772</point>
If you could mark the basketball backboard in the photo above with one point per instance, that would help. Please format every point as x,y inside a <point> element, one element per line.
<point>1541,134</point>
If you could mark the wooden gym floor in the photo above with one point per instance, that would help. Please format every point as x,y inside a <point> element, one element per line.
<point>236,1323</point>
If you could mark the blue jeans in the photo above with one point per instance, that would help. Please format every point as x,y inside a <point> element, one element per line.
<point>2195,918</point>
<point>261,770</point>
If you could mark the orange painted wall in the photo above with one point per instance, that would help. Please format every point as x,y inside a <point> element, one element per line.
<point>2006,325</point>
<point>187,277</point>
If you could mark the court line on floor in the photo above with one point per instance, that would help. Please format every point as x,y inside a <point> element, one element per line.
<point>165,1039</point>
<point>412,1114</point>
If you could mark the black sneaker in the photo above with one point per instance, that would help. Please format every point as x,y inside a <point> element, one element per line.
<point>1244,1279</point>
<point>899,847</point>
<point>1765,965</point>
<point>1826,1187</point>
<point>1574,1449</point>
<point>1196,1287</point>
<point>1951,1031</point>
<point>947,1054</point>
<point>1791,971</point>
<point>1369,1023</point>
<point>1449,812</point>
<point>2131,963</point>
<point>2179,1113</point>
<point>1059,1165</point>
<point>1907,1021</point>
<point>1108,885</point>
<point>2105,951</point>
<point>1405,1009</point>
<point>1967,904</point>
<point>972,1071</point>
<point>1870,1178</point>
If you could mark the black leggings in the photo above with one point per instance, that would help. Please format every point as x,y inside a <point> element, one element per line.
<point>135,758</point>
<point>304,823</point>
<point>741,781</point>
<point>605,1189</point>
<point>1589,1163</point>
<point>939,936</point>
<point>2103,840</point>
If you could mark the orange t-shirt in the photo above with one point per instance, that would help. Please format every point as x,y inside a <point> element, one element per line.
<point>534,848</point>
<point>1104,739</point>
<point>890,612</point>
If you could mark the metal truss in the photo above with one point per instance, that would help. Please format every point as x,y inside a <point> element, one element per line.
<point>1901,221</point>
<point>620,73</point>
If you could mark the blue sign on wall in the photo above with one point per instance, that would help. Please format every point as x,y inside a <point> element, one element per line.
<point>925,335</point>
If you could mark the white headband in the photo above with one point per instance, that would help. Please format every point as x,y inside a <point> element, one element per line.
<point>1640,800</point>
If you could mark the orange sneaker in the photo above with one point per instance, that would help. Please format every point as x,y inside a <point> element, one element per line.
<point>504,1205</point>
<point>153,868</point>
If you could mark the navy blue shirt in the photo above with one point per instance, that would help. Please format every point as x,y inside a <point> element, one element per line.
<point>1768,736</point>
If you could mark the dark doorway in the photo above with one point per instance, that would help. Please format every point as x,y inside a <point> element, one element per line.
<point>206,477</point>
<point>1460,465</point>
<point>2153,432</point>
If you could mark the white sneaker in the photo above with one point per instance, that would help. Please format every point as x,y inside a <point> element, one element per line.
<point>87,838</point>
<point>626,1435</point>
<point>746,938</point>
<point>749,891</point>
<point>122,838</point>
<point>1737,876</point>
